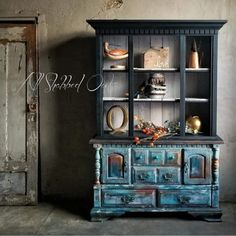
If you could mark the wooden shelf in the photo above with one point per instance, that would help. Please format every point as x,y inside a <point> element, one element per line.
<point>121,99</point>
<point>192,70</point>
<point>114,70</point>
<point>156,99</point>
<point>200,100</point>
<point>148,70</point>
<point>116,99</point>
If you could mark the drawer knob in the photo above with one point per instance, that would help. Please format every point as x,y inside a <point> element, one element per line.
<point>127,198</point>
<point>171,157</point>
<point>139,157</point>
<point>168,176</point>
<point>156,157</point>
<point>143,176</point>
<point>184,199</point>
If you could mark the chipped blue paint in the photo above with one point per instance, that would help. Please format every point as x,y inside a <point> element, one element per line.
<point>197,166</point>
<point>112,170</point>
<point>156,157</point>
<point>129,198</point>
<point>139,156</point>
<point>167,178</point>
<point>215,176</point>
<point>184,198</point>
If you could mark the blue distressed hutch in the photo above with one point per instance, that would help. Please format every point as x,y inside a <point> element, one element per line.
<point>179,173</point>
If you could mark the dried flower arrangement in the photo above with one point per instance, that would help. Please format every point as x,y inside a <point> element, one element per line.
<point>153,131</point>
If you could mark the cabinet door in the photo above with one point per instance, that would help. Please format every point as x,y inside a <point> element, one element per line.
<point>18,114</point>
<point>115,165</point>
<point>197,166</point>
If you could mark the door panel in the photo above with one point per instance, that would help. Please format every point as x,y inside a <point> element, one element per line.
<point>197,166</point>
<point>13,183</point>
<point>18,124</point>
<point>116,164</point>
<point>14,103</point>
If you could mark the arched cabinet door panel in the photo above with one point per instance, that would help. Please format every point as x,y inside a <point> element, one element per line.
<point>197,166</point>
<point>115,165</point>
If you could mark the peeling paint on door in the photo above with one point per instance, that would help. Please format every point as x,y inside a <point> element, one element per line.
<point>18,134</point>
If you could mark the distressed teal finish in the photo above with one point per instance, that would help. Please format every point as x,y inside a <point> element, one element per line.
<point>169,175</point>
<point>111,173</point>
<point>197,166</point>
<point>156,157</point>
<point>144,175</point>
<point>139,156</point>
<point>173,157</point>
<point>129,198</point>
<point>215,176</point>
<point>185,178</point>
<point>185,198</point>
<point>159,175</point>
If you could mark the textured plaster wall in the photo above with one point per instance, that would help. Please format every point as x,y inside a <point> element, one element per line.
<point>68,47</point>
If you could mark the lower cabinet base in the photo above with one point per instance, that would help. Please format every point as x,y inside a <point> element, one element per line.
<point>206,214</point>
<point>163,179</point>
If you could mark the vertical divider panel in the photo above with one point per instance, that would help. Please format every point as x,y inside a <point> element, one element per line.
<point>213,85</point>
<point>99,78</point>
<point>131,85</point>
<point>182,83</point>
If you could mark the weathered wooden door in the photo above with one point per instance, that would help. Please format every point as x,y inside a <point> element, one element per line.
<point>18,113</point>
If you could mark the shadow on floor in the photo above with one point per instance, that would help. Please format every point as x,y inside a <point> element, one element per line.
<point>82,208</point>
<point>74,206</point>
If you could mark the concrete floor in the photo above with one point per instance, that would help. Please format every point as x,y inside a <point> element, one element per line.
<point>59,219</point>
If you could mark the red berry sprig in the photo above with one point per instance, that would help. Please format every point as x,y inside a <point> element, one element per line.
<point>154,132</point>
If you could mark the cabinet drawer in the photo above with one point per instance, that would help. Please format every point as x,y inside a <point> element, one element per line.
<point>156,157</point>
<point>129,198</point>
<point>173,157</point>
<point>139,156</point>
<point>169,175</point>
<point>144,175</point>
<point>184,198</point>
<point>160,175</point>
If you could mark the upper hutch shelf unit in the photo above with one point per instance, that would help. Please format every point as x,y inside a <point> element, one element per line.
<point>189,91</point>
<point>161,73</point>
